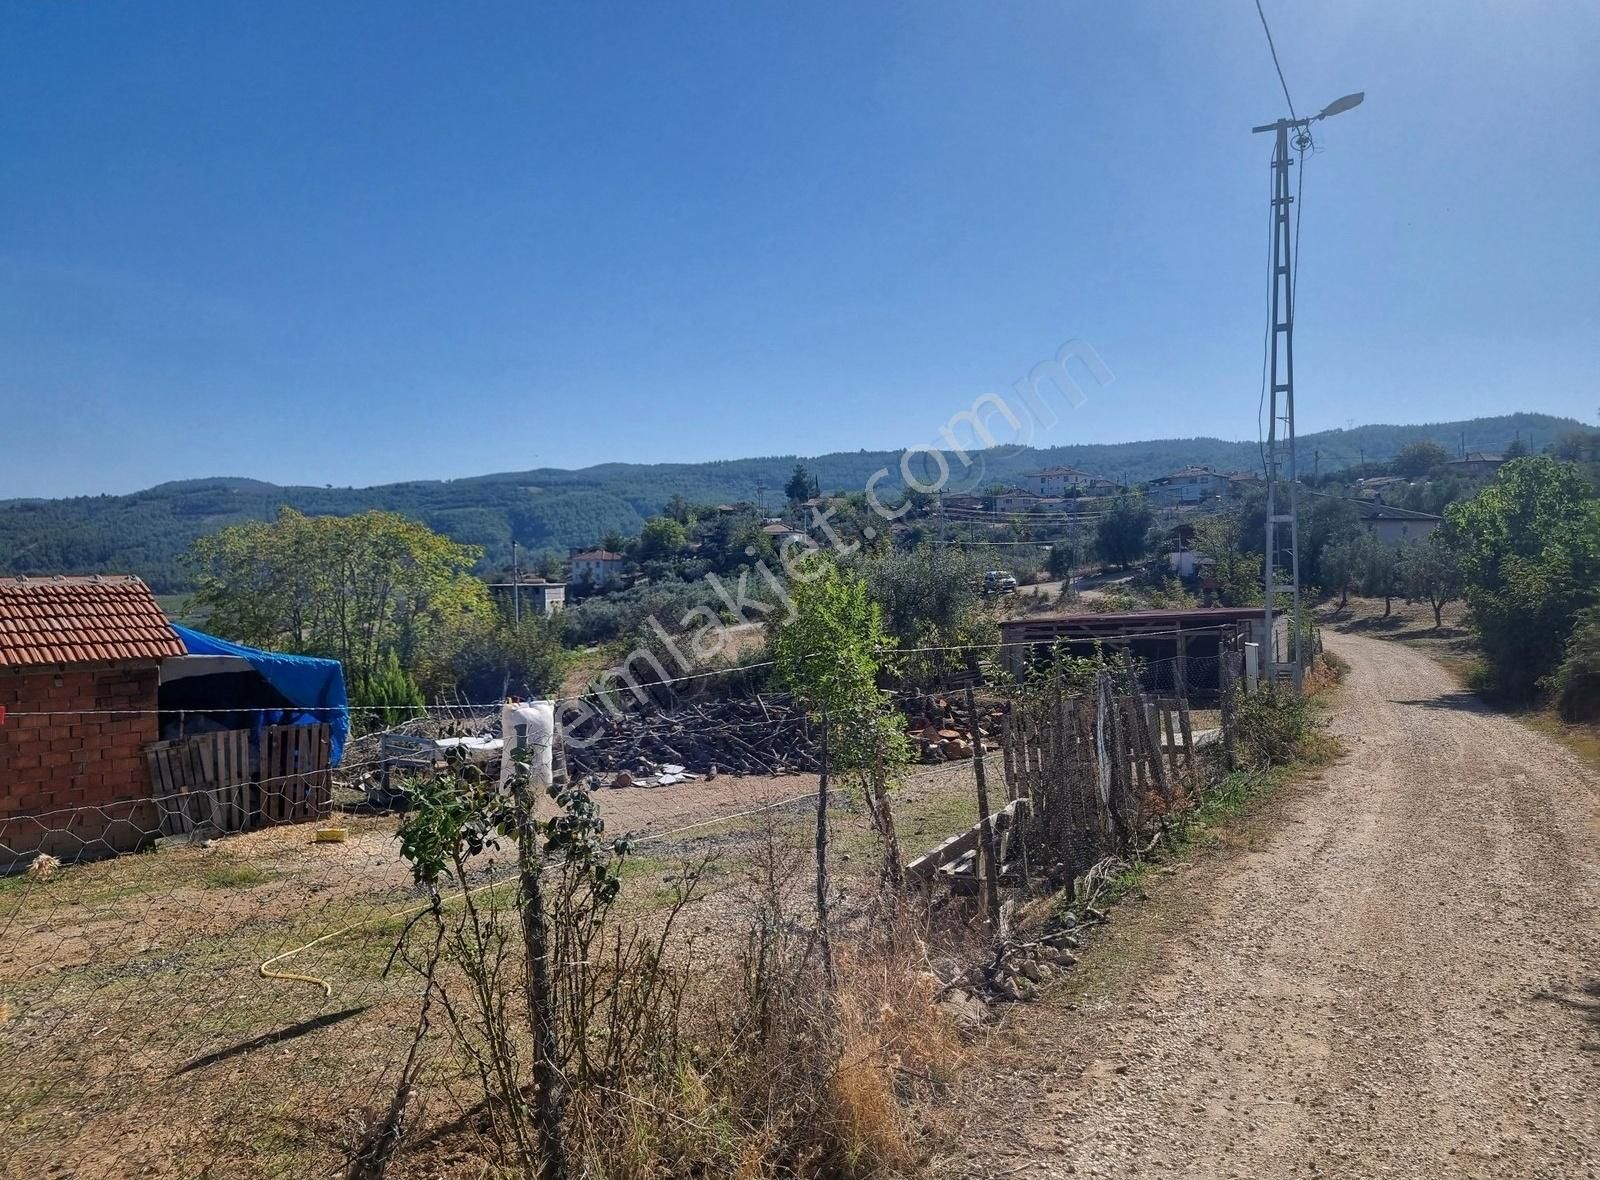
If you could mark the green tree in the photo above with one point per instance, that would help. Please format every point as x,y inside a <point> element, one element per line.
<point>829,655</point>
<point>929,599</point>
<point>1575,446</point>
<point>1379,571</point>
<point>384,696</point>
<point>1418,458</point>
<point>1325,521</point>
<point>679,510</point>
<point>1529,546</point>
<point>1123,535</point>
<point>1235,565</point>
<point>1431,572</point>
<point>801,485</point>
<point>1516,449</point>
<point>662,538</point>
<point>1341,567</point>
<point>486,658</point>
<point>357,588</point>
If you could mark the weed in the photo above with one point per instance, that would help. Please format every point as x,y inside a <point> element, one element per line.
<point>235,875</point>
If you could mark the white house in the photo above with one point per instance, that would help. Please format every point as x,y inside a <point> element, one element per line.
<point>1061,481</point>
<point>596,566</point>
<point>1394,525</point>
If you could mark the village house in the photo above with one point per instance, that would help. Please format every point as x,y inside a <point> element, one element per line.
<point>1476,464</point>
<point>1189,485</point>
<point>1394,525</point>
<point>80,672</point>
<point>1378,487</point>
<point>781,533</point>
<point>1022,500</point>
<point>596,566</point>
<point>532,593</point>
<point>963,502</point>
<point>1066,481</point>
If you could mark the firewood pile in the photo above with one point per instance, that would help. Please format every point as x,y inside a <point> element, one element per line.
<point>938,729</point>
<point>760,735</point>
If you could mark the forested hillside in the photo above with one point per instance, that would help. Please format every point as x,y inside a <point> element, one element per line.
<point>551,509</point>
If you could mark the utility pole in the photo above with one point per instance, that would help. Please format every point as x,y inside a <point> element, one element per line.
<point>1281,454</point>
<point>516,586</point>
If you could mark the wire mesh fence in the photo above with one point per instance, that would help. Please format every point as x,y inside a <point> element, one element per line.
<point>264,1003</point>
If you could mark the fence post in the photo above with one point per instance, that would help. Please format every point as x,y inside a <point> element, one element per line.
<point>1008,753</point>
<point>1117,749</point>
<point>550,1097</point>
<point>1150,737</point>
<point>991,871</point>
<point>1225,675</point>
<point>824,937</point>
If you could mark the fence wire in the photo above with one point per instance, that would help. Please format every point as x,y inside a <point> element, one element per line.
<point>247,1005</point>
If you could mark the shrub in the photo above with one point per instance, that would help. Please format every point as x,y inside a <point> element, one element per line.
<point>1575,685</point>
<point>1273,726</point>
<point>486,659</point>
<point>615,616</point>
<point>1529,547</point>
<point>384,697</point>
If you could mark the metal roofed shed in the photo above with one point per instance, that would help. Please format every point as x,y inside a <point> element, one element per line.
<point>1179,647</point>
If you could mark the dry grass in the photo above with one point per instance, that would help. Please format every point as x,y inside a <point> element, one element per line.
<point>131,985</point>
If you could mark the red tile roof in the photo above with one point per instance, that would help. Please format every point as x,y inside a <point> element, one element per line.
<point>82,621</point>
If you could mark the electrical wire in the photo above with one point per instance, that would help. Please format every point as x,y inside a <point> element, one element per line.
<point>1274,51</point>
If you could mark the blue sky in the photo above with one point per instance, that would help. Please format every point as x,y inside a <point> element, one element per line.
<point>355,243</point>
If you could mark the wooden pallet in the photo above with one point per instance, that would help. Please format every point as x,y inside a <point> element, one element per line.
<point>201,781</point>
<point>296,783</point>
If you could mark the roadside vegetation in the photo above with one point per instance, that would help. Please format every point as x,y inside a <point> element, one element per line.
<point>1507,594</point>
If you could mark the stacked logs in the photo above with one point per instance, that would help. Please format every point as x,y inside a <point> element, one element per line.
<point>938,728</point>
<point>758,735</point>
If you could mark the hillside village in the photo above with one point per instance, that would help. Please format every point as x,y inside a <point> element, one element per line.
<point>500,780</point>
<point>1040,679</point>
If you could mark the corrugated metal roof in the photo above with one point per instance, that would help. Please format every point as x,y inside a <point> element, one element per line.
<point>1198,614</point>
<point>82,621</point>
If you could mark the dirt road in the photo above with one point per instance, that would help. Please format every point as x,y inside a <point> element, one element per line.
<point>1397,973</point>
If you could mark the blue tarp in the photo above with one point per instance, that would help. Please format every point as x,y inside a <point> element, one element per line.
<point>314,686</point>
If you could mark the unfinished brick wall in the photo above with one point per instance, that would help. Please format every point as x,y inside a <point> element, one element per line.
<point>76,784</point>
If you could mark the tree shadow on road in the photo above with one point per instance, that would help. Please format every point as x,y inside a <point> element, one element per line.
<point>1461,701</point>
<point>1588,1008</point>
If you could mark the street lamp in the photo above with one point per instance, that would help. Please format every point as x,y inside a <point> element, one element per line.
<point>1340,105</point>
<point>1282,386</point>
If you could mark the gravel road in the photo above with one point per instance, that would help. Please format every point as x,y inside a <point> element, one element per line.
<point>1395,972</point>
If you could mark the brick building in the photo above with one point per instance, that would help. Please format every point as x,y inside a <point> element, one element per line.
<point>80,663</point>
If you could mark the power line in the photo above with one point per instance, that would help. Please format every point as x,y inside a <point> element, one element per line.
<point>1274,51</point>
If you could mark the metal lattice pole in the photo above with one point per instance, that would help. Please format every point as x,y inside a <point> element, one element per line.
<point>1281,454</point>
<point>1281,450</point>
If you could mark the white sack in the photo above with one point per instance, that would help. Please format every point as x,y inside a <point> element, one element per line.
<point>537,722</point>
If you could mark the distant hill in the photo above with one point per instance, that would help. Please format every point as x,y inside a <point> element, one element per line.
<point>553,509</point>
